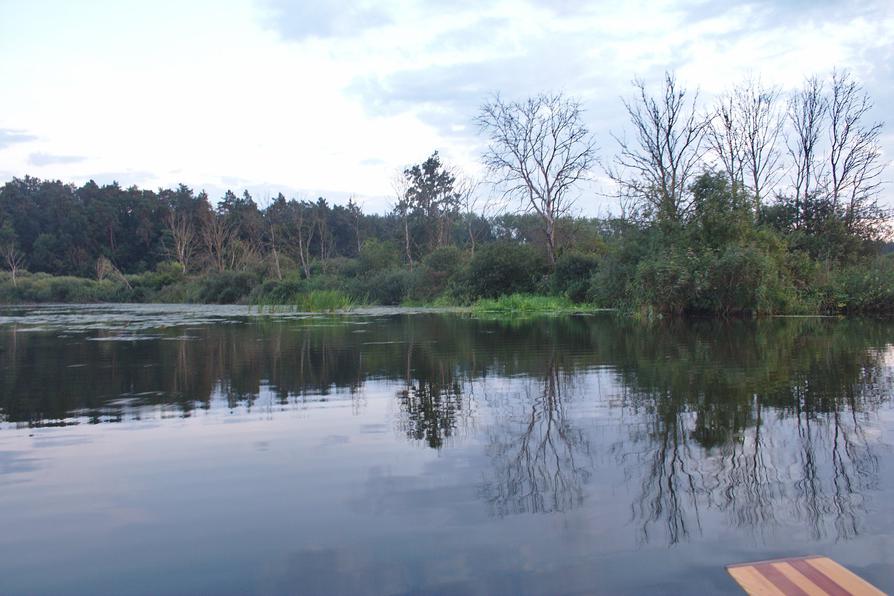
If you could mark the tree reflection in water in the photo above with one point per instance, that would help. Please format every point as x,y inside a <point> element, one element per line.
<point>541,461</point>
<point>779,443</point>
<point>768,424</point>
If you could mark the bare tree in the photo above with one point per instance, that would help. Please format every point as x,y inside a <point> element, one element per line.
<point>183,238</point>
<point>656,167</point>
<point>13,259</point>
<point>320,209</point>
<point>725,137</point>
<point>467,192</point>
<point>743,133</point>
<point>273,249</point>
<point>401,184</point>
<point>761,122</point>
<point>304,228</point>
<point>242,255</point>
<point>356,214</point>
<point>807,111</point>
<point>855,158</point>
<point>217,236</point>
<point>539,149</point>
<point>105,269</point>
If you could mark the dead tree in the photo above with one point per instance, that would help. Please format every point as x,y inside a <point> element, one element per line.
<point>217,236</point>
<point>13,259</point>
<point>807,112</point>
<point>401,184</point>
<point>466,188</point>
<point>273,250</point>
<point>356,215</point>
<point>539,150</point>
<point>183,238</point>
<point>656,166</point>
<point>855,158</point>
<point>761,127</point>
<point>726,140</point>
<point>105,269</point>
<point>304,229</point>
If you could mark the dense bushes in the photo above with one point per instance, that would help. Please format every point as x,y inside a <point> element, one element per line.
<point>866,288</point>
<point>389,287</point>
<point>226,287</point>
<point>759,275</point>
<point>42,287</point>
<point>571,277</point>
<point>504,268</point>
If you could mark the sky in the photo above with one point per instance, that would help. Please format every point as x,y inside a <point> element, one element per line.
<point>332,98</point>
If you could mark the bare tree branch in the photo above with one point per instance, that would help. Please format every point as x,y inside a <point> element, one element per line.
<point>539,149</point>
<point>667,149</point>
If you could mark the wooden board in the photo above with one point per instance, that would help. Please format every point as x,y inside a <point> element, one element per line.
<point>800,576</point>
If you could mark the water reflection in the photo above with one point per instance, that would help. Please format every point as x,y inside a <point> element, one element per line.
<point>541,460</point>
<point>771,435</point>
<point>769,425</point>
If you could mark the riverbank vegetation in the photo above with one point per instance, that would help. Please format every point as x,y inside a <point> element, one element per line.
<point>761,203</point>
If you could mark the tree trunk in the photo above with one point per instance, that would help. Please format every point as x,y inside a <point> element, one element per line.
<point>407,242</point>
<point>471,238</point>
<point>551,241</point>
<point>276,264</point>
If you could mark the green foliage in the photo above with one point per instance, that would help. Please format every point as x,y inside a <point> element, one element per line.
<point>572,274</point>
<point>278,292</point>
<point>338,267</point>
<point>226,287</point>
<point>666,282</point>
<point>379,255</point>
<point>867,287</point>
<point>503,268</point>
<point>525,304</point>
<point>438,271</point>
<point>741,279</point>
<point>324,301</point>
<point>720,216</point>
<point>717,258</point>
<point>388,288</point>
<point>42,287</point>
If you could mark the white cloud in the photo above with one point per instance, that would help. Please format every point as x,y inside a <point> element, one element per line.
<point>332,101</point>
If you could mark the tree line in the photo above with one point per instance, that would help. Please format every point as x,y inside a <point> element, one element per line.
<point>743,205</point>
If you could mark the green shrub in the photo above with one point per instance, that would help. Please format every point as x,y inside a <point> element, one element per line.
<point>379,255</point>
<point>504,268</point>
<point>177,293</point>
<point>436,273</point>
<point>42,287</point>
<point>572,274</point>
<point>666,282</point>
<point>166,273</point>
<point>867,288</point>
<point>226,287</point>
<point>384,287</point>
<point>274,291</point>
<point>741,279</point>
<point>609,285</point>
<point>341,267</point>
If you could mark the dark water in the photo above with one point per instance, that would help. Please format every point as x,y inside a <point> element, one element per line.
<point>162,450</point>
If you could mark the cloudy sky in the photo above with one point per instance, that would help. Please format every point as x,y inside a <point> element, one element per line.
<point>332,97</point>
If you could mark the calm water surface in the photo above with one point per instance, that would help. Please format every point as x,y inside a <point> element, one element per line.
<point>162,449</point>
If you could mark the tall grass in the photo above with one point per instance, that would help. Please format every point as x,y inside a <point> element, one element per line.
<point>312,301</point>
<point>522,304</point>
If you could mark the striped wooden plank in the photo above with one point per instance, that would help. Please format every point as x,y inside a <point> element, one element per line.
<point>800,576</point>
